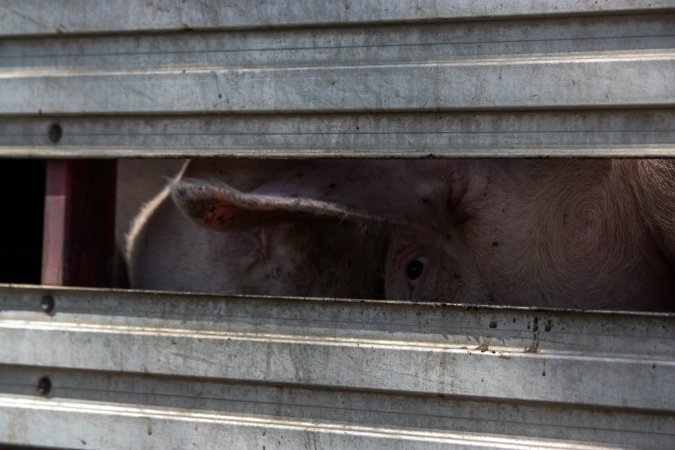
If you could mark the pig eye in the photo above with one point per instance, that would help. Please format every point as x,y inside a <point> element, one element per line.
<point>414,269</point>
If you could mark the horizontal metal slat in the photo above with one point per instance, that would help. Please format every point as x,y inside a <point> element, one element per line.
<point>508,83</point>
<point>411,373</point>
<point>334,92</point>
<point>575,75</point>
<point>554,63</point>
<point>29,17</point>
<point>421,369</point>
<point>425,323</point>
<point>263,403</point>
<point>310,351</point>
<point>90,425</point>
<point>327,47</point>
<point>563,133</point>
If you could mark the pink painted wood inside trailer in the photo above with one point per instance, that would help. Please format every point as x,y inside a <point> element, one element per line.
<point>79,223</point>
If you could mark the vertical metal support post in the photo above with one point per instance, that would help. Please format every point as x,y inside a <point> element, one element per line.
<point>79,241</point>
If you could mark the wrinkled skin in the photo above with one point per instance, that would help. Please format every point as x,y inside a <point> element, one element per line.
<point>563,233</point>
<point>545,233</point>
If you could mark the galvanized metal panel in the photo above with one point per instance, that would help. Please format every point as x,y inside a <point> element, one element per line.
<point>399,89</point>
<point>187,429</point>
<point>286,79</point>
<point>348,373</point>
<point>481,134</point>
<point>344,46</point>
<point>21,17</point>
<point>522,64</point>
<point>513,83</point>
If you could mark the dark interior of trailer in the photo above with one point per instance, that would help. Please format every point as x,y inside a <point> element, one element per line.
<point>23,182</point>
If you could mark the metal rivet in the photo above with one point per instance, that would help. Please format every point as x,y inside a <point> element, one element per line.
<point>47,304</point>
<point>44,386</point>
<point>55,133</point>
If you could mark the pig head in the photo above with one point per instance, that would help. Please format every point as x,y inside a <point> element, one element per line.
<point>562,233</point>
<point>223,226</point>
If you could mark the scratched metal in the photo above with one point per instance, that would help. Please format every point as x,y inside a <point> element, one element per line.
<point>577,82</point>
<point>629,133</point>
<point>591,84</point>
<point>365,79</point>
<point>180,368</point>
<point>21,17</point>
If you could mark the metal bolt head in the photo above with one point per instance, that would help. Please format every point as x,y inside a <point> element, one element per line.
<point>44,386</point>
<point>55,133</point>
<point>47,304</point>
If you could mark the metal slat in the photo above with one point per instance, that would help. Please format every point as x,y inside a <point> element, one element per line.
<point>26,17</point>
<point>326,47</point>
<point>188,429</point>
<point>505,83</point>
<point>410,370</point>
<point>542,86</point>
<point>289,359</point>
<point>483,134</point>
<point>262,403</point>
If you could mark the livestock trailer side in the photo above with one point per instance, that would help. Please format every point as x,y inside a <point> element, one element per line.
<point>83,83</point>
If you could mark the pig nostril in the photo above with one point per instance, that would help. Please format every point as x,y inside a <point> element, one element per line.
<point>414,269</point>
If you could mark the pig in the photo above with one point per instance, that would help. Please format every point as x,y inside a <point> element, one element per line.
<point>194,246</point>
<point>138,181</point>
<point>582,233</point>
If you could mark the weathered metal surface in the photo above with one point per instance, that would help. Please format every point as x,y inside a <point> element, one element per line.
<point>628,133</point>
<point>21,17</point>
<point>365,79</point>
<point>501,83</point>
<point>595,84</point>
<point>347,373</point>
<point>469,42</point>
<point>169,428</point>
<point>456,66</point>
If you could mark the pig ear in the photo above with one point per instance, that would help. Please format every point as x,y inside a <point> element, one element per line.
<point>228,192</point>
<point>220,206</point>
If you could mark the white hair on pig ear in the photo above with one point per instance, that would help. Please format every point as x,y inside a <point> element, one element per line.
<point>137,224</point>
<point>219,206</point>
